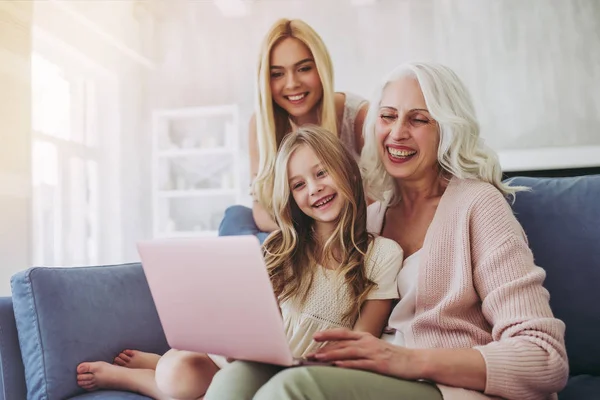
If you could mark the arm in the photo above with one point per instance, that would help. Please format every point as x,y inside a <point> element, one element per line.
<point>522,336</point>
<point>382,263</point>
<point>373,316</point>
<point>263,220</point>
<point>515,304</point>
<point>463,368</point>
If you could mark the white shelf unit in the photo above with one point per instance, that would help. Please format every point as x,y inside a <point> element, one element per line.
<point>196,169</point>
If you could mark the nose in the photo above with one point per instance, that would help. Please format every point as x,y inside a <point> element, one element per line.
<point>400,130</point>
<point>314,187</point>
<point>291,81</point>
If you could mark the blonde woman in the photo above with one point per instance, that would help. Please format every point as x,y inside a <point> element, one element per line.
<point>473,321</point>
<point>294,88</point>
<point>327,270</point>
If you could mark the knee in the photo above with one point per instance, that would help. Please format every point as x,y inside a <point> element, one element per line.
<point>167,369</point>
<point>237,220</point>
<point>238,211</point>
<point>289,384</point>
<point>174,369</point>
<point>225,380</point>
<point>239,380</point>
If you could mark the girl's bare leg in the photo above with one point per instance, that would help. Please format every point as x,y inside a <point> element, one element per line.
<point>102,375</point>
<point>184,375</point>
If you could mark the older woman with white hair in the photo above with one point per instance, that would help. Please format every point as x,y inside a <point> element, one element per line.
<point>474,321</point>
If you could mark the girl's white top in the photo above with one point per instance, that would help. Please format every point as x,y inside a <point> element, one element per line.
<point>329,297</point>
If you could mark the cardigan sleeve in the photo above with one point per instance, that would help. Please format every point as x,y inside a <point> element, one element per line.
<point>527,358</point>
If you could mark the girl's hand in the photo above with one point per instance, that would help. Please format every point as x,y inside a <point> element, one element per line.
<point>361,350</point>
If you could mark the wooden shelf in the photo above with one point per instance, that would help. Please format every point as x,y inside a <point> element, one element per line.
<point>176,163</point>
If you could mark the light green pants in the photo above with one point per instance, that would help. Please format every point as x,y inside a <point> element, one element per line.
<point>253,381</point>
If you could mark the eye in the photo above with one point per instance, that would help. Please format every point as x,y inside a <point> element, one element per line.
<point>419,121</point>
<point>276,75</point>
<point>297,185</point>
<point>305,68</point>
<point>321,173</point>
<point>388,117</point>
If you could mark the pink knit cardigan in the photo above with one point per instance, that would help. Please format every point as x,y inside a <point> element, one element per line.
<point>478,287</point>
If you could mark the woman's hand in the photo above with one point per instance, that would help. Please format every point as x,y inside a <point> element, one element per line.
<point>362,350</point>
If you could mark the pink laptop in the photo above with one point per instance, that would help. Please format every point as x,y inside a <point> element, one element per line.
<point>213,295</point>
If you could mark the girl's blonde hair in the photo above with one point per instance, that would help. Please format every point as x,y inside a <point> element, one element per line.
<point>461,152</point>
<point>292,253</point>
<point>272,122</point>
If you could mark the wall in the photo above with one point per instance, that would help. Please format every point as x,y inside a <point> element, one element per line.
<point>531,65</point>
<point>15,126</point>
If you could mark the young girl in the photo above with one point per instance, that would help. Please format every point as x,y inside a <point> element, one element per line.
<point>327,270</point>
<point>295,87</point>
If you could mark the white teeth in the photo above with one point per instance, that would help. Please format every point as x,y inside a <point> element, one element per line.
<point>400,153</point>
<point>327,200</point>
<point>296,98</point>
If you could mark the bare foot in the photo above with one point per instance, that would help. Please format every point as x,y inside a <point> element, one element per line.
<point>137,359</point>
<point>102,375</point>
<point>97,375</point>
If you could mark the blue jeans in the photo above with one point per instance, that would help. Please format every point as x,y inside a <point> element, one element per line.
<point>238,220</point>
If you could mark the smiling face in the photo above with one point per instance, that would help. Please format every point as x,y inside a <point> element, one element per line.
<point>313,189</point>
<point>295,83</point>
<point>407,134</point>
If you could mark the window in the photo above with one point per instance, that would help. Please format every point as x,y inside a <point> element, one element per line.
<point>70,175</point>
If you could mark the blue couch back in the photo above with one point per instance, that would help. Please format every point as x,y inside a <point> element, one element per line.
<point>561,217</point>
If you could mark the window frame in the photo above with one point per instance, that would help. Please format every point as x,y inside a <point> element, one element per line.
<point>106,154</point>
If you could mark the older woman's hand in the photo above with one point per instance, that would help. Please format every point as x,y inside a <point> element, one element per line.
<point>361,350</point>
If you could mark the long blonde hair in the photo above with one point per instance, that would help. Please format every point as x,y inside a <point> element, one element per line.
<point>461,152</point>
<point>292,253</point>
<point>272,122</point>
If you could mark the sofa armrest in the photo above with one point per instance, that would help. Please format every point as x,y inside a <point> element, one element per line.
<point>65,316</point>
<point>12,373</point>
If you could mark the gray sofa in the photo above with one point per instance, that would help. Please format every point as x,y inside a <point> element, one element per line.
<point>68,315</point>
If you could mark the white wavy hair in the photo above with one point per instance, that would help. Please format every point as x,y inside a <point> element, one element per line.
<point>461,152</point>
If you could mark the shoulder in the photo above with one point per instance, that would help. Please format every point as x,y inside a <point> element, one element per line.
<point>384,245</point>
<point>352,100</point>
<point>375,215</point>
<point>340,103</point>
<point>489,214</point>
<point>385,251</point>
<point>475,193</point>
<point>384,255</point>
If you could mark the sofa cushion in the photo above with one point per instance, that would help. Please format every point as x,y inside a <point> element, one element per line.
<point>581,387</point>
<point>110,395</point>
<point>561,217</point>
<point>66,316</point>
